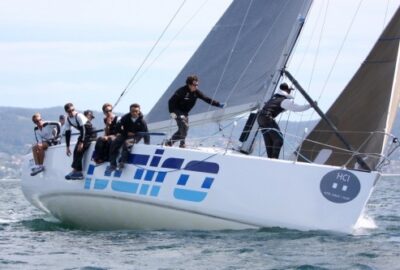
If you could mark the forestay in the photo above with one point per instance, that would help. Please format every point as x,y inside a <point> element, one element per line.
<point>238,61</point>
<point>365,110</point>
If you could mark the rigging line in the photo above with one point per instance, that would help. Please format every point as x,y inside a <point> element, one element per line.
<point>233,119</point>
<point>231,53</point>
<point>339,51</point>
<point>386,13</point>
<point>257,50</point>
<point>315,62</point>
<point>148,54</point>
<point>302,61</point>
<point>171,41</point>
<point>318,49</point>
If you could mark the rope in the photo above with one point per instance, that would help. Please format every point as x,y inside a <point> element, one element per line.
<point>171,41</point>
<point>313,66</point>
<point>339,52</point>
<point>386,13</point>
<point>301,62</point>
<point>148,55</point>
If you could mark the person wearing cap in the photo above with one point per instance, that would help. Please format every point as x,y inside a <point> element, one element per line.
<point>180,104</point>
<point>89,115</point>
<point>279,102</point>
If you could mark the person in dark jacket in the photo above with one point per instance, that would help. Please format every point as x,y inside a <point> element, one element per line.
<point>278,103</point>
<point>131,125</point>
<point>103,143</point>
<point>90,116</point>
<point>180,105</point>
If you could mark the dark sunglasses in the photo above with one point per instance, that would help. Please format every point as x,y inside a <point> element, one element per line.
<point>37,121</point>
<point>70,110</point>
<point>107,111</point>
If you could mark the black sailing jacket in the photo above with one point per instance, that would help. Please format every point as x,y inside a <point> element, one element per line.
<point>184,100</point>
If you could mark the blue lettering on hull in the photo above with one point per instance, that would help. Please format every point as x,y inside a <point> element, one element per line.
<point>150,174</point>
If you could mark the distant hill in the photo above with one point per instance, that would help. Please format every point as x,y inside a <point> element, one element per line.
<point>17,128</point>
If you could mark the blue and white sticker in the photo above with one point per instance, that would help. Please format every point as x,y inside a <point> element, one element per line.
<point>340,186</point>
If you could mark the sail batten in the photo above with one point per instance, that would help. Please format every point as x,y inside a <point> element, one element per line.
<point>237,61</point>
<point>366,108</point>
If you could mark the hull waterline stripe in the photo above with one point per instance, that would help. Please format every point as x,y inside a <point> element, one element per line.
<point>148,203</point>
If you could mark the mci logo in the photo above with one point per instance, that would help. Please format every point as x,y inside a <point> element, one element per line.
<point>149,175</point>
<point>340,186</point>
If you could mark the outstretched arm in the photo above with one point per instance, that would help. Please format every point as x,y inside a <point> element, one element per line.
<point>207,99</point>
<point>288,104</point>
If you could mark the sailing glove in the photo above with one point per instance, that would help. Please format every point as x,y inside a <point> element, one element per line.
<point>173,115</point>
<point>222,105</point>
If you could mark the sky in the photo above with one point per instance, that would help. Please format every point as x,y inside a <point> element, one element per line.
<point>86,51</point>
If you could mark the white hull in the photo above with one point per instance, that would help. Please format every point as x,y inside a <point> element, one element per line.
<point>173,188</point>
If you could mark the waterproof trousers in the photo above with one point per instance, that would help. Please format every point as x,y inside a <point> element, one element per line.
<point>273,137</point>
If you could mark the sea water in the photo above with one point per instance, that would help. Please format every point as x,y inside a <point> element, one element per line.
<point>30,239</point>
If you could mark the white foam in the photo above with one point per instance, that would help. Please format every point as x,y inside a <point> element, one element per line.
<point>364,223</point>
<point>5,221</point>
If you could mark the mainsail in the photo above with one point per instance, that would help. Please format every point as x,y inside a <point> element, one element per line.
<point>238,61</point>
<point>365,111</point>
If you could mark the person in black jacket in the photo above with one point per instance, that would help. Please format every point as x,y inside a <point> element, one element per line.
<point>103,143</point>
<point>180,105</point>
<point>90,116</point>
<point>131,125</point>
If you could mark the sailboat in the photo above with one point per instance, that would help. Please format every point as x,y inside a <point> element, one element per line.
<point>324,187</point>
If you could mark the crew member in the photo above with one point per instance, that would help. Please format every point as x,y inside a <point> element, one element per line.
<point>46,134</point>
<point>81,123</point>
<point>132,126</point>
<point>180,105</point>
<point>278,103</point>
<point>102,148</point>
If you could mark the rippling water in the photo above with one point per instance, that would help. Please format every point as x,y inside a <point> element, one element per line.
<point>31,240</point>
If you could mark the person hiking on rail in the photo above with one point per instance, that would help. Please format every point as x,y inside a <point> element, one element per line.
<point>46,134</point>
